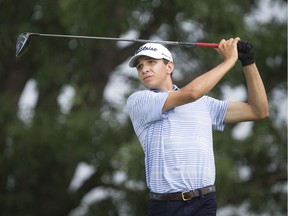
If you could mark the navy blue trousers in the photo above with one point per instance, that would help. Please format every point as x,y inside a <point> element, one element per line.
<point>201,206</point>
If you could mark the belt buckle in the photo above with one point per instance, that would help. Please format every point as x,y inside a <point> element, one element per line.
<point>183,196</point>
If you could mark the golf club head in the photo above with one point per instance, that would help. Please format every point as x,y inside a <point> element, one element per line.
<point>22,43</point>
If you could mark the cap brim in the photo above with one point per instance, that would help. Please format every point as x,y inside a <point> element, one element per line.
<point>148,53</point>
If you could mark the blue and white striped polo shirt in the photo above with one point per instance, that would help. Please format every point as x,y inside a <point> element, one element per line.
<point>178,144</point>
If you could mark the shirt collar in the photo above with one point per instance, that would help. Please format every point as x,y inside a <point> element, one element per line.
<point>175,88</point>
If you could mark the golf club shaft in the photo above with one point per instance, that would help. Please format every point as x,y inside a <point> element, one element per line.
<point>198,44</point>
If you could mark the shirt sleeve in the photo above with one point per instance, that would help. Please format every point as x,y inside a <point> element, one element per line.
<point>145,107</point>
<point>217,110</point>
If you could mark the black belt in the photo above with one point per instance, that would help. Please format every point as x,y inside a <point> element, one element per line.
<point>185,196</point>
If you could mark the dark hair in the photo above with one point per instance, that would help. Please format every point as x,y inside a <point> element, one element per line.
<point>166,61</point>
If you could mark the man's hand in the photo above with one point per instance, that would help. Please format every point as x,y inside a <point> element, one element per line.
<point>228,49</point>
<point>245,53</point>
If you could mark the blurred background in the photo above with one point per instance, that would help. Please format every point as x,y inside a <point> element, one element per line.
<point>67,146</point>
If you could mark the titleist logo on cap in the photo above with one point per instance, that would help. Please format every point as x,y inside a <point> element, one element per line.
<point>146,48</point>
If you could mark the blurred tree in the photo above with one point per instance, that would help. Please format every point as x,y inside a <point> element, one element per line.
<point>39,156</point>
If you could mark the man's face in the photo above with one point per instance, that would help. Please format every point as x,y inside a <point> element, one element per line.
<point>153,73</point>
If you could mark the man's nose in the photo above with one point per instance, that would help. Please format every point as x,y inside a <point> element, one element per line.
<point>145,69</point>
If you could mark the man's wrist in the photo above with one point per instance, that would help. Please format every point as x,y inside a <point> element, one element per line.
<point>247,62</point>
<point>230,61</point>
<point>252,68</point>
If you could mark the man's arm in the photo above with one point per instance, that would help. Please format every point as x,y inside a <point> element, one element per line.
<point>206,82</point>
<point>257,105</point>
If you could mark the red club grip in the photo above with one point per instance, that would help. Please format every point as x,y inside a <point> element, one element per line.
<point>211,45</point>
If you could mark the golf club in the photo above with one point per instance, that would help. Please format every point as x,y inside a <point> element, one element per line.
<point>23,41</point>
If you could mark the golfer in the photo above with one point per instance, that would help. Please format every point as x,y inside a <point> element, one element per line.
<point>174,125</point>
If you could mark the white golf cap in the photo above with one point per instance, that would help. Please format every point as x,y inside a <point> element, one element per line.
<point>153,50</point>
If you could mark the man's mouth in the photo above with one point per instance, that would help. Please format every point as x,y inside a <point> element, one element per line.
<point>147,78</point>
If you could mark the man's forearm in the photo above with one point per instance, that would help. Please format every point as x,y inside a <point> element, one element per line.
<point>257,97</point>
<point>206,82</point>
<point>198,87</point>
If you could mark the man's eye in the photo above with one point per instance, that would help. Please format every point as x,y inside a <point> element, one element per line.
<point>139,67</point>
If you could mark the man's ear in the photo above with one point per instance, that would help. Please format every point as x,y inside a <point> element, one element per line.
<point>170,67</point>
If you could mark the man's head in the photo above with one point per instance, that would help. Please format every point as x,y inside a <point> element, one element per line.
<point>154,64</point>
<point>153,50</point>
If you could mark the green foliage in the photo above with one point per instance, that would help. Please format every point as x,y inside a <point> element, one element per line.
<point>39,157</point>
